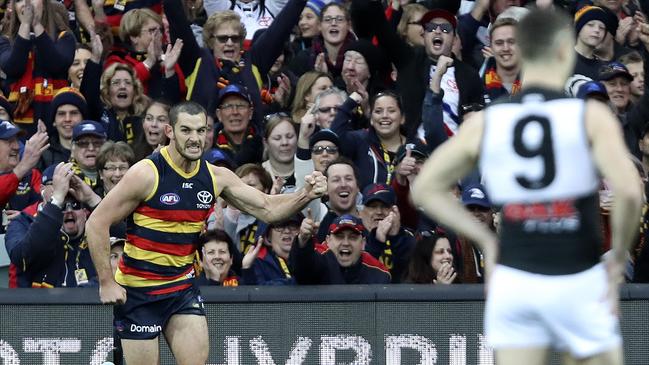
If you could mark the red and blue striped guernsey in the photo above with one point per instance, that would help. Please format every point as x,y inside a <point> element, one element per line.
<point>163,229</point>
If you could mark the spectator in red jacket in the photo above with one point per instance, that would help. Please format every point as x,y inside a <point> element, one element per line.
<point>20,183</point>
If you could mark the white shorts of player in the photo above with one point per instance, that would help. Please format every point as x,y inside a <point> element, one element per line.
<point>569,313</point>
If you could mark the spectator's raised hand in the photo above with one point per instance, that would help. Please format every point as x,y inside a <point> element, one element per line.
<point>383,227</point>
<point>643,34</point>
<point>360,95</point>
<point>34,148</point>
<point>625,27</point>
<point>308,229</point>
<point>252,253</point>
<point>278,184</point>
<point>26,16</point>
<point>170,57</point>
<point>396,221</point>
<point>97,48</point>
<point>153,53</point>
<point>307,127</point>
<point>443,63</point>
<point>406,167</point>
<point>446,274</point>
<point>487,52</point>
<point>61,180</point>
<point>37,6</point>
<point>83,192</point>
<point>283,91</point>
<point>321,63</point>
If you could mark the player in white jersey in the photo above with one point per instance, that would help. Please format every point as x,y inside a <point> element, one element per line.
<point>541,156</point>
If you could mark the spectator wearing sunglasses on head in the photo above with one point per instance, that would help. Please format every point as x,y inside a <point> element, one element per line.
<point>415,65</point>
<point>47,244</point>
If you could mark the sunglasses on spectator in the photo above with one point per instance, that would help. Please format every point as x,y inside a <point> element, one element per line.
<point>318,150</point>
<point>71,205</point>
<point>87,144</point>
<point>235,38</point>
<point>280,115</point>
<point>328,109</point>
<point>444,27</point>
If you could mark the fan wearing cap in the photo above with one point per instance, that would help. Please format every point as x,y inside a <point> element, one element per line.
<point>87,139</point>
<point>365,64</point>
<point>387,240</point>
<point>19,180</point>
<point>67,109</point>
<point>475,200</point>
<point>415,65</point>
<point>617,79</point>
<point>47,243</point>
<point>342,260</point>
<point>270,266</point>
<point>593,90</point>
<point>235,135</point>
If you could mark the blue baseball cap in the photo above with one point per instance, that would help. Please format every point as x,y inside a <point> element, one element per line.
<point>475,195</point>
<point>612,70</point>
<point>8,130</point>
<point>88,128</point>
<point>234,89</point>
<point>380,192</point>
<point>592,88</point>
<point>347,221</point>
<point>48,174</point>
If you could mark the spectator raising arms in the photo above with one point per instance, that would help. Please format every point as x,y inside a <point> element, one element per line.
<point>36,50</point>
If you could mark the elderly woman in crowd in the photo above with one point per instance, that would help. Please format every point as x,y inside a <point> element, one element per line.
<point>113,160</point>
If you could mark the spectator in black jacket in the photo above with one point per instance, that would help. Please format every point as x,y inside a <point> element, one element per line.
<point>461,83</point>
<point>387,241</point>
<point>342,261</point>
<point>47,245</point>
<point>68,108</point>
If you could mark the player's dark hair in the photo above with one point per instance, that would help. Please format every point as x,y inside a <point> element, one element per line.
<point>189,107</point>
<point>538,31</point>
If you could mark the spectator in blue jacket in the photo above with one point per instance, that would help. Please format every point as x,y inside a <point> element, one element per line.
<point>271,265</point>
<point>48,245</point>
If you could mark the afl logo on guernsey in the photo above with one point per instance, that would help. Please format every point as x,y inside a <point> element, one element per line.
<point>169,199</point>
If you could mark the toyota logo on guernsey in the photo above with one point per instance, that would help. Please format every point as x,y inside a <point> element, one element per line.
<point>170,199</point>
<point>205,198</point>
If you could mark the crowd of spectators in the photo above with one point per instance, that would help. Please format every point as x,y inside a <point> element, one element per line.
<point>360,90</point>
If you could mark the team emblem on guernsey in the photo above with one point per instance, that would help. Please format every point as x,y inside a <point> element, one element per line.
<point>204,196</point>
<point>169,199</point>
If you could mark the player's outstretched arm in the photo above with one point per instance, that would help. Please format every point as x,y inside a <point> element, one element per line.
<point>614,163</point>
<point>268,208</point>
<point>134,187</point>
<point>432,188</point>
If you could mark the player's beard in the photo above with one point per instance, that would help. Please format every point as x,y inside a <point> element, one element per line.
<point>182,150</point>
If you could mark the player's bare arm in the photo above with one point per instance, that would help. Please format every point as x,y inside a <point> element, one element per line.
<point>268,208</point>
<point>614,163</point>
<point>134,187</point>
<point>448,164</point>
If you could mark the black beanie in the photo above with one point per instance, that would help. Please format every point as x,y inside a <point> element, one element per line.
<point>7,106</point>
<point>588,13</point>
<point>373,56</point>
<point>68,95</point>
